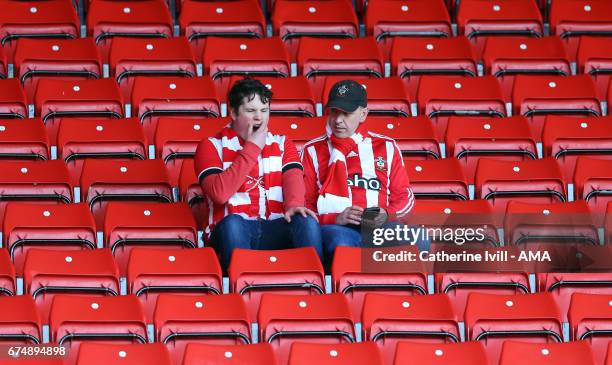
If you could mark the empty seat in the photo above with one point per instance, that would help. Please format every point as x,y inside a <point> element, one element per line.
<point>480,20</point>
<point>388,320</point>
<point>200,20</point>
<point>81,139</point>
<point>504,139</point>
<point>153,98</point>
<point>442,97</point>
<point>437,179</point>
<point>80,319</point>
<point>131,57</point>
<point>517,353</point>
<point>286,319</point>
<point>365,353</point>
<point>593,183</point>
<point>136,354</point>
<point>387,21</point>
<point>386,96</point>
<point>298,129</point>
<point>595,59</point>
<point>571,20</point>
<point>153,271</point>
<point>52,227</point>
<point>13,104</point>
<point>353,58</point>
<point>415,137</point>
<point>355,273</point>
<point>134,180</point>
<point>3,65</point>
<point>7,275</point>
<point>212,319</point>
<point>535,97</point>
<point>67,59</point>
<point>493,319</point>
<point>176,140</point>
<point>412,58</point>
<point>191,193</point>
<point>292,271</point>
<point>141,19</point>
<point>463,353</point>
<point>506,57</point>
<point>37,19</point>
<point>23,140</point>
<point>59,99</point>
<point>591,323</point>
<point>33,361</point>
<point>292,20</point>
<point>535,181</point>
<point>20,323</point>
<point>258,354</point>
<point>225,57</point>
<point>48,273</point>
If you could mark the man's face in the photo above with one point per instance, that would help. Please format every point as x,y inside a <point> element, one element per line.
<point>344,124</point>
<point>251,113</point>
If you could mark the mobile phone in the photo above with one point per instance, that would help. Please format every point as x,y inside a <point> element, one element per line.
<point>370,213</point>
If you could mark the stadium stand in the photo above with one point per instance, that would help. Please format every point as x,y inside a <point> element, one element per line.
<point>23,140</point>
<point>20,322</point>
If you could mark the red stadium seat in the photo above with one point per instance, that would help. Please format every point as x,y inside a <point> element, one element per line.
<point>567,139</point>
<point>37,19</point>
<point>153,98</point>
<point>103,181</point>
<point>442,97</point>
<point>292,271</point>
<point>355,274</point>
<point>48,273</point>
<point>292,20</point>
<point>415,137</point>
<point>3,64</point>
<point>152,272</point>
<point>387,21</point>
<point>81,139</point>
<point>34,181</point>
<point>504,139</point>
<point>591,322</point>
<point>200,354</point>
<point>131,57</point>
<point>7,275</point>
<point>506,57</point>
<point>33,361</point>
<point>595,59</point>
<point>68,59</point>
<point>412,58</point>
<point>59,99</point>
<point>165,225</point>
<point>463,353</point>
<point>286,319</point>
<point>493,319</point>
<point>535,97</point>
<point>191,193</point>
<point>388,320</point>
<point>517,353</point>
<point>480,20</point>
<point>211,319</point>
<point>52,227</point>
<point>352,58</point>
<point>365,353</point>
<point>298,130</point>
<point>200,20</point>
<point>134,19</point>
<point>225,57</point>
<point>80,319</point>
<point>136,354</point>
<point>437,179</point>
<point>386,96</point>
<point>20,322</point>
<point>13,104</point>
<point>535,181</point>
<point>23,140</point>
<point>572,20</point>
<point>176,140</point>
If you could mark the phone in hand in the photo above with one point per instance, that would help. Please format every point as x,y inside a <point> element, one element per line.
<point>370,213</point>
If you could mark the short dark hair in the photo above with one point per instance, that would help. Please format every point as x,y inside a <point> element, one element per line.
<point>247,88</point>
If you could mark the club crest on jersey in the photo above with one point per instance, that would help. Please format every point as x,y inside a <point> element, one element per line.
<point>365,183</point>
<point>381,164</point>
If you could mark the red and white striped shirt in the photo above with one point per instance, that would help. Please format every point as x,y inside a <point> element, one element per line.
<point>376,175</point>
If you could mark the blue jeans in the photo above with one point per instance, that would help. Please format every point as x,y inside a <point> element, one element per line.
<point>234,231</point>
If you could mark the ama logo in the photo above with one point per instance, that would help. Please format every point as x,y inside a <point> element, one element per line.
<point>362,182</point>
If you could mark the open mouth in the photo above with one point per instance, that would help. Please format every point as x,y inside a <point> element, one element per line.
<point>256,126</point>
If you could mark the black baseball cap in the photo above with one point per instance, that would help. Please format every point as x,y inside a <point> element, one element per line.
<point>347,95</point>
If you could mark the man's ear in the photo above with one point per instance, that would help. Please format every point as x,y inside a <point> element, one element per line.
<point>364,115</point>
